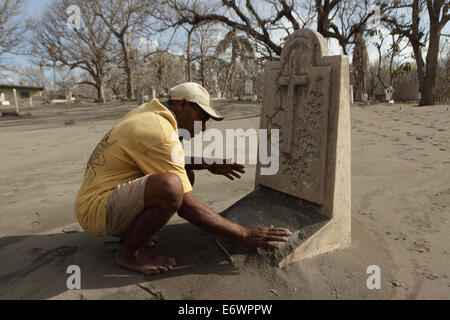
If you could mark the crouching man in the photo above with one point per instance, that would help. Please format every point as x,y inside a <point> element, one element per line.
<point>133,185</point>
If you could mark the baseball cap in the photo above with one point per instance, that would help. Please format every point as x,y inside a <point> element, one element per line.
<point>193,92</point>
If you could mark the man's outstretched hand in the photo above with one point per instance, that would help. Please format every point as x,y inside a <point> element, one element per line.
<point>229,170</point>
<point>263,236</point>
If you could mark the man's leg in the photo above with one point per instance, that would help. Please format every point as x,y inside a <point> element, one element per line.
<point>163,197</point>
<point>151,241</point>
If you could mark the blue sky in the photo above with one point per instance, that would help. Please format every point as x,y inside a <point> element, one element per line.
<point>33,8</point>
<point>36,6</point>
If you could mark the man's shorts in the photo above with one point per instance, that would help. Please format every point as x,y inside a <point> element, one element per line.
<point>124,204</point>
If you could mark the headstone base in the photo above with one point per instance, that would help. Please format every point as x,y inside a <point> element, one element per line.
<point>312,232</point>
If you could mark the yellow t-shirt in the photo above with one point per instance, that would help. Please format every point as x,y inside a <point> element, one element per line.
<point>144,142</point>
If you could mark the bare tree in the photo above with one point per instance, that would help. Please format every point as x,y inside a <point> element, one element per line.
<point>86,48</point>
<point>115,81</point>
<point>189,30</point>
<point>10,26</point>
<point>359,66</point>
<point>265,20</point>
<point>443,81</point>
<point>424,23</point>
<point>392,61</point>
<point>204,42</point>
<point>249,17</point>
<point>126,19</point>
<point>164,70</point>
<point>343,20</point>
<point>268,23</point>
<point>241,48</point>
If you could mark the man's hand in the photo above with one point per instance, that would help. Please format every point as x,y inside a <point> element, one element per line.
<point>197,213</point>
<point>262,236</point>
<point>228,170</point>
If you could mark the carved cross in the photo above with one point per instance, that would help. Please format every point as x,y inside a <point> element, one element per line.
<point>291,81</point>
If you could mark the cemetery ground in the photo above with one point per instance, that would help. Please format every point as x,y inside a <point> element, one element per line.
<point>400,214</point>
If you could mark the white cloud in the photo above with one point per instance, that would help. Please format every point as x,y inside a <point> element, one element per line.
<point>146,45</point>
<point>176,52</point>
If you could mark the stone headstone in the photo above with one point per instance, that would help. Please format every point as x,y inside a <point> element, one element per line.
<point>248,87</point>
<point>69,97</point>
<point>3,101</point>
<point>306,97</point>
<point>389,92</point>
<point>16,103</point>
<point>153,93</point>
<point>216,93</point>
<point>365,97</point>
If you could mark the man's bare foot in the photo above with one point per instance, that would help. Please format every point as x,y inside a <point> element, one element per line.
<point>144,261</point>
<point>151,242</point>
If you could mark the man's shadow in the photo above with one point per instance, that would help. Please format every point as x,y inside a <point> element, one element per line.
<point>35,266</point>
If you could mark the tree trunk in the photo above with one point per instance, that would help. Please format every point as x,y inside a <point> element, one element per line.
<point>54,74</point>
<point>41,69</point>
<point>128,71</point>
<point>429,79</point>
<point>323,12</point>
<point>379,75</point>
<point>188,54</point>
<point>202,72</point>
<point>101,90</point>
<point>227,80</point>
<point>360,61</point>
<point>230,75</point>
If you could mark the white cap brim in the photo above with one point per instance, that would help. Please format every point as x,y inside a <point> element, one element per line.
<point>193,92</point>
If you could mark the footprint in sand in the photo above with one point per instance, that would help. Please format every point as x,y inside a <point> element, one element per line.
<point>430,276</point>
<point>420,246</point>
<point>398,236</point>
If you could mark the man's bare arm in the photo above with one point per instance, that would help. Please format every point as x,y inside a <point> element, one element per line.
<point>194,163</point>
<point>215,166</point>
<point>200,215</point>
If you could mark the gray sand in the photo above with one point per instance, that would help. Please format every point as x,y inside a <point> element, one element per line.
<point>400,215</point>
